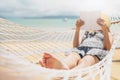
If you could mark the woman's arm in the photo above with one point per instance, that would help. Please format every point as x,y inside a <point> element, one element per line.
<point>79,23</point>
<point>107,43</point>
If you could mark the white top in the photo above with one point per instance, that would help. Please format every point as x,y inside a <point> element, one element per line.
<point>93,39</point>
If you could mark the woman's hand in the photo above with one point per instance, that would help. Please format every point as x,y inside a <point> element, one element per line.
<point>101,22</point>
<point>79,23</point>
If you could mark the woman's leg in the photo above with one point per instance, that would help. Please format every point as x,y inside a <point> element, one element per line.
<point>50,61</point>
<point>72,60</point>
<point>86,61</point>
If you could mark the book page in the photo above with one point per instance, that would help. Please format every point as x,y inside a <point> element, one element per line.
<point>90,20</point>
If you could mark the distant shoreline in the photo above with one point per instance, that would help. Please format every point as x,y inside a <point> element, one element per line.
<point>44,17</point>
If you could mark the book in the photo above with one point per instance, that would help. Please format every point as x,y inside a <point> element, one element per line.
<point>90,20</point>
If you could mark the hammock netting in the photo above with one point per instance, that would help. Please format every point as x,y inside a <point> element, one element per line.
<point>21,48</point>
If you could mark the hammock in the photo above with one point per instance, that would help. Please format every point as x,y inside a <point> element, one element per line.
<point>21,48</point>
<point>115,26</point>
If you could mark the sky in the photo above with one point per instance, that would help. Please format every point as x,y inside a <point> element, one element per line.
<point>39,8</point>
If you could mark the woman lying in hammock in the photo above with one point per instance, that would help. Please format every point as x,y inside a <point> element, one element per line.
<point>90,49</point>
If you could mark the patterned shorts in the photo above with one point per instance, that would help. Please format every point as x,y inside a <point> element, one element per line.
<point>98,52</point>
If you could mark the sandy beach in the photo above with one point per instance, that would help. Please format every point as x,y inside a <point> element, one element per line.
<point>29,43</point>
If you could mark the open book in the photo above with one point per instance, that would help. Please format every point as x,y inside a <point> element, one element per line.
<point>90,20</point>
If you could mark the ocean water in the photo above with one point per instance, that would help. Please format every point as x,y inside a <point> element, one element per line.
<point>46,23</point>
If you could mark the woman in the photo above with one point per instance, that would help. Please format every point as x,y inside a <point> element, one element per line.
<point>92,47</point>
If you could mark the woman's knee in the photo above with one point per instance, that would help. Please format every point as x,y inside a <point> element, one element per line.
<point>88,59</point>
<point>74,54</point>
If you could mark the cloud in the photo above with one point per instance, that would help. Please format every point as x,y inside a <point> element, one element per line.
<point>37,8</point>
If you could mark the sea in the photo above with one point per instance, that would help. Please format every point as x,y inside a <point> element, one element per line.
<point>46,23</point>
<point>53,23</point>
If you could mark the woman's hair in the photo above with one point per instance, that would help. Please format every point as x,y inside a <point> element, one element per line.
<point>106,18</point>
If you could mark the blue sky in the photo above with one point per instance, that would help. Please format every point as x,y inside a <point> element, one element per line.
<point>38,8</point>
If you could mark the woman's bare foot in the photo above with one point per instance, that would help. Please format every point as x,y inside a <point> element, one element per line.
<point>50,61</point>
